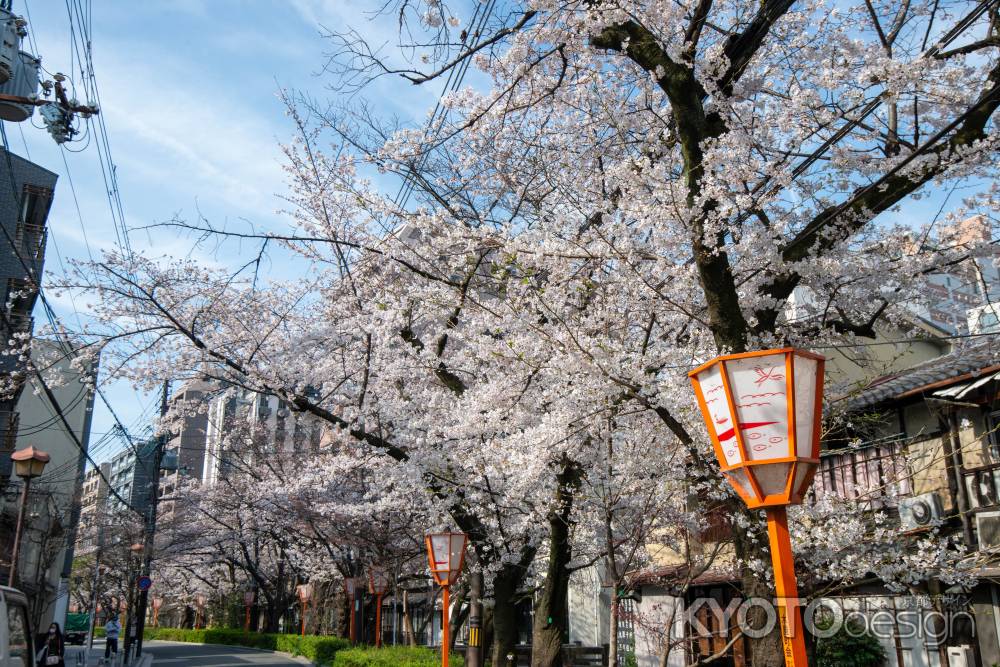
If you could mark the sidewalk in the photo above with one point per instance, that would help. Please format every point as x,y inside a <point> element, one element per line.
<point>79,656</point>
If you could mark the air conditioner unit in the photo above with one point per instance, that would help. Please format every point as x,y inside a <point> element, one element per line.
<point>982,487</point>
<point>960,656</point>
<point>988,529</point>
<point>919,511</point>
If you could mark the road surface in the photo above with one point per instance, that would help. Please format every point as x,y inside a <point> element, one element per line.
<point>175,654</point>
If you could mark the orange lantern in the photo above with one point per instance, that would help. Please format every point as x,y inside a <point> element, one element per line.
<point>157,604</point>
<point>304,591</point>
<point>446,555</point>
<point>378,584</point>
<point>763,411</point>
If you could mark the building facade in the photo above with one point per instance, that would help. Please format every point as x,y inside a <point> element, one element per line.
<point>93,505</point>
<point>26,191</point>
<point>62,429</point>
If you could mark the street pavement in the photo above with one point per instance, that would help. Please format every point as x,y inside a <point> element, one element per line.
<point>176,654</point>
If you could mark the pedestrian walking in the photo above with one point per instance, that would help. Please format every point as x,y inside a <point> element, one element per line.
<point>53,652</point>
<point>111,631</point>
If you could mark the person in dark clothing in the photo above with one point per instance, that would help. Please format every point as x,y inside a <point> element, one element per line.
<point>53,652</point>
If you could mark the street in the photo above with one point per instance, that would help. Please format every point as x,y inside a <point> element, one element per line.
<point>176,654</point>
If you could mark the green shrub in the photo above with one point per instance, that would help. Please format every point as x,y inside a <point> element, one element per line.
<point>852,646</point>
<point>320,649</point>
<point>393,656</point>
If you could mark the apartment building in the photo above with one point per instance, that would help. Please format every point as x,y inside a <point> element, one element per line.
<point>93,504</point>
<point>26,191</point>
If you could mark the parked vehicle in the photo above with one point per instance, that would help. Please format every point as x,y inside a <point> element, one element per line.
<point>77,625</point>
<point>17,645</point>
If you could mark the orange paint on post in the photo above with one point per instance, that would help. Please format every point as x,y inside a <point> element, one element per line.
<point>786,588</point>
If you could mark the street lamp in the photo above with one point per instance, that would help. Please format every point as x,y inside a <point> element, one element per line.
<point>248,600</point>
<point>446,554</point>
<point>763,411</point>
<point>28,464</point>
<point>304,591</point>
<point>199,603</point>
<point>378,584</point>
<point>157,603</point>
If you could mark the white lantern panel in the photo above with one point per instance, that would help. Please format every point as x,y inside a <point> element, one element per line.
<point>457,551</point>
<point>441,548</point>
<point>800,475</point>
<point>759,391</point>
<point>739,478</point>
<point>805,404</point>
<point>714,395</point>
<point>772,478</point>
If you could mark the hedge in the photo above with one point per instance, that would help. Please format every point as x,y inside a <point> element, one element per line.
<point>393,656</point>
<point>320,649</point>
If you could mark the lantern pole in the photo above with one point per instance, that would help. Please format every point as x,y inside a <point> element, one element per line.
<point>786,386</point>
<point>302,603</point>
<point>353,601</point>
<point>786,588</point>
<point>445,601</point>
<point>17,531</point>
<point>378,621</point>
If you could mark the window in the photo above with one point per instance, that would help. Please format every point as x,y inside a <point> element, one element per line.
<point>877,474</point>
<point>17,643</point>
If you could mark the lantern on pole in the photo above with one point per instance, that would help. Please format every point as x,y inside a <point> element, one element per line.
<point>28,464</point>
<point>199,603</point>
<point>763,411</point>
<point>304,591</point>
<point>248,599</point>
<point>378,584</point>
<point>157,603</point>
<point>446,555</point>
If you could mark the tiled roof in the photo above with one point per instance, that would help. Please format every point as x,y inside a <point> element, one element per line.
<point>968,360</point>
<point>673,574</point>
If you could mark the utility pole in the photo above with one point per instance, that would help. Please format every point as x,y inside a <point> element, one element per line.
<point>161,445</point>
<point>474,650</point>
<point>93,591</point>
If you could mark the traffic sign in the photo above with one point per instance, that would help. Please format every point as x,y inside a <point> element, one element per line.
<point>143,583</point>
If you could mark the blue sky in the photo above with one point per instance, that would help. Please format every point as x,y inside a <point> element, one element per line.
<point>189,97</point>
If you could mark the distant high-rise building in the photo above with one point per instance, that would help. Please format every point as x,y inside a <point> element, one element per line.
<point>26,191</point>
<point>133,478</point>
<point>968,285</point>
<point>93,503</point>
<point>281,431</point>
<point>184,454</point>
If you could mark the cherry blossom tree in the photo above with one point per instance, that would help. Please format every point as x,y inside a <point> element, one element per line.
<point>637,187</point>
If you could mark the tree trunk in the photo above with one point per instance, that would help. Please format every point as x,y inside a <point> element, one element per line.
<point>474,651</point>
<point>551,620</point>
<point>272,616</point>
<point>766,651</point>
<point>613,629</point>
<point>505,586</point>
<point>408,637</point>
<point>456,615</point>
